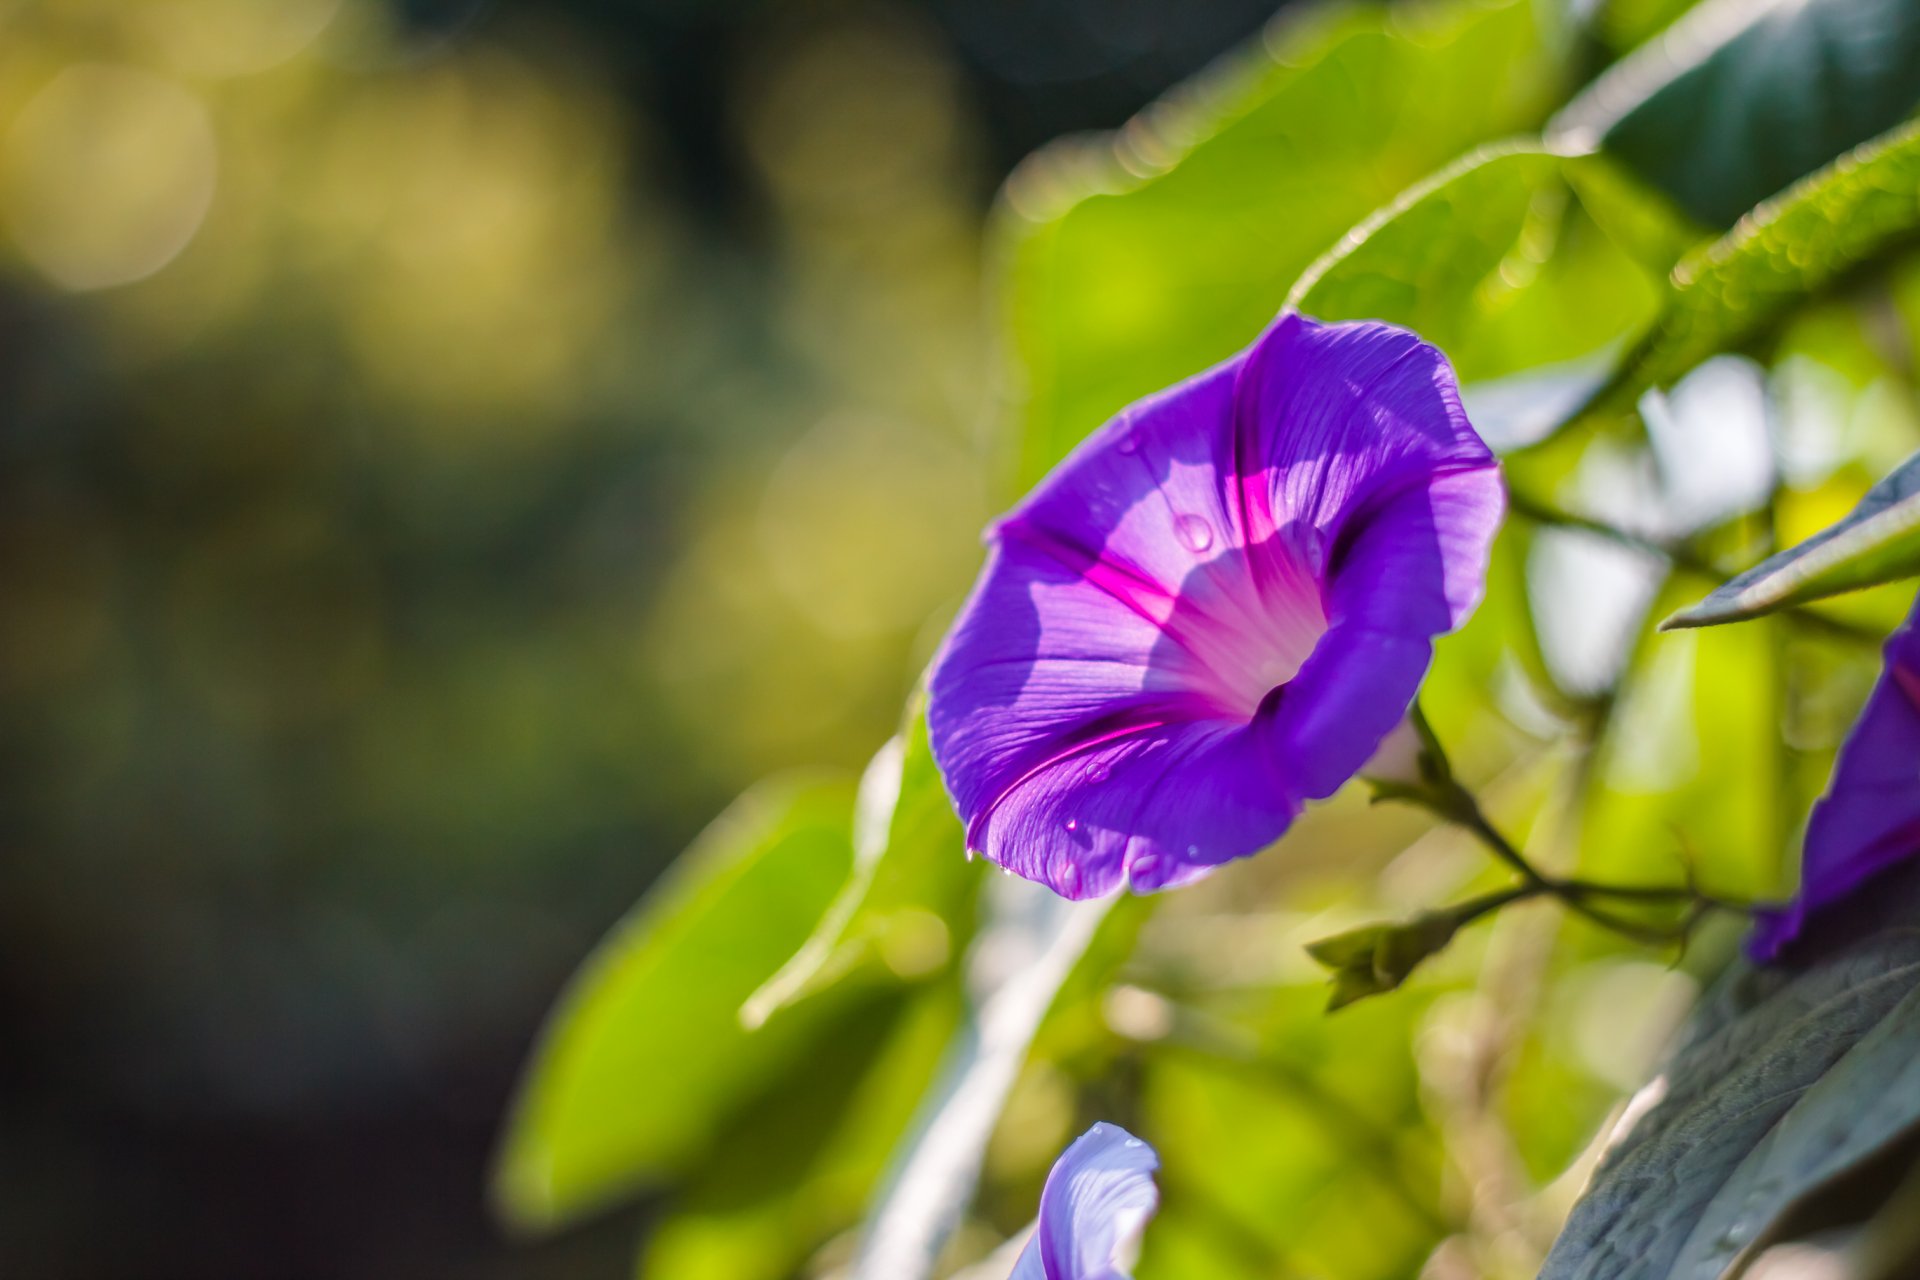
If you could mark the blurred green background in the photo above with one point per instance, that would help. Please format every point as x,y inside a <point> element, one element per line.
<point>453,448</point>
<point>449,449</point>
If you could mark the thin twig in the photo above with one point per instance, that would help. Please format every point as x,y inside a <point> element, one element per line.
<point>1456,804</point>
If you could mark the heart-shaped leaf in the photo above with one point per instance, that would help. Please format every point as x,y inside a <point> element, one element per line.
<point>1493,260</point>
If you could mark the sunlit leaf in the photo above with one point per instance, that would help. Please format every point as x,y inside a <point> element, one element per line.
<point>1742,97</point>
<point>1791,1078</point>
<point>1132,263</point>
<point>1879,541</point>
<point>1493,260</point>
<point>796,1167</point>
<point>909,898</point>
<point>644,1058</point>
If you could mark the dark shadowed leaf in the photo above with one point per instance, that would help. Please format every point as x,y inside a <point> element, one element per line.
<point>1879,541</point>
<point>645,1058</point>
<point>1870,1098</point>
<point>1789,1079</point>
<point>1742,97</point>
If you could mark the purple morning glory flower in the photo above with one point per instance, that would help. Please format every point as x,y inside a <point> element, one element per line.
<point>1096,1202</point>
<point>1214,610</point>
<point>1869,819</point>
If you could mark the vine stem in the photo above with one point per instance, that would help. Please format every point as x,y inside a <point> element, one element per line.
<point>1578,895</point>
<point>1444,796</point>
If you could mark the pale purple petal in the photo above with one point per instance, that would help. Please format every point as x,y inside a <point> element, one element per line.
<point>1096,1202</point>
<point>1214,610</point>
<point>1869,819</point>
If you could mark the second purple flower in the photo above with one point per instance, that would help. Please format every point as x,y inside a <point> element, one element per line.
<point>1214,610</point>
<point>1869,820</point>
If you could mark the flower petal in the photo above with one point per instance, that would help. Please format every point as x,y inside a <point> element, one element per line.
<point>1124,813</point>
<point>1096,1202</point>
<point>1869,819</point>
<point>1338,421</point>
<point>1214,609</point>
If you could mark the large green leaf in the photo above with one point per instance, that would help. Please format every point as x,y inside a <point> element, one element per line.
<point>1495,261</point>
<point>1133,263</point>
<point>1723,294</point>
<point>1869,1098</point>
<point>644,1059</point>
<point>1791,1078</point>
<point>1742,97</point>
<point>1879,541</point>
<point>794,1168</point>
<point>909,899</point>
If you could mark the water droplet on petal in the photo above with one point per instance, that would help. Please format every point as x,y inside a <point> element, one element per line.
<point>1069,877</point>
<point>1099,773</point>
<point>1129,443</point>
<point>1194,532</point>
<point>1193,851</point>
<point>1073,824</point>
<point>1134,1142</point>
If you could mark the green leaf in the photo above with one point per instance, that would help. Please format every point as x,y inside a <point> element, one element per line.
<point>1864,204</point>
<point>1496,261</point>
<point>1879,541</point>
<point>909,898</point>
<point>1869,1098</point>
<point>794,1169</point>
<point>1135,262</point>
<point>1486,260</point>
<point>644,1058</point>
<point>1790,1079</point>
<point>1742,97</point>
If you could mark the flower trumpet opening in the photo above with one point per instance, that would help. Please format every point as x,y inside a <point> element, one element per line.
<point>1214,610</point>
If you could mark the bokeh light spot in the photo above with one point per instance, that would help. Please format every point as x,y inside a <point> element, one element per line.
<point>231,37</point>
<point>106,175</point>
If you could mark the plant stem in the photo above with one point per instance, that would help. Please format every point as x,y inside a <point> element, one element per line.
<point>1456,804</point>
